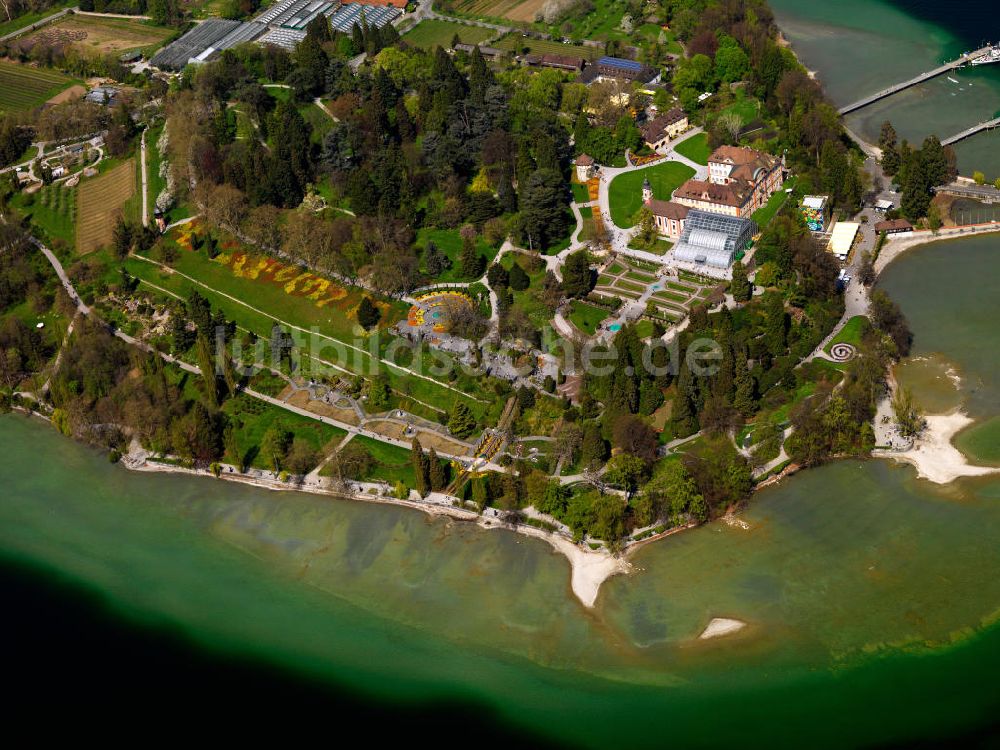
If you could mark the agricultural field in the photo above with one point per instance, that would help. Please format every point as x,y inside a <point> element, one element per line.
<point>514,10</point>
<point>23,87</point>
<point>517,44</point>
<point>100,200</point>
<point>625,191</point>
<point>101,35</point>
<point>433,33</point>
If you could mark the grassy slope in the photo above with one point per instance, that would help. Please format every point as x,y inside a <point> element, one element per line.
<point>274,303</point>
<point>252,418</point>
<point>29,18</point>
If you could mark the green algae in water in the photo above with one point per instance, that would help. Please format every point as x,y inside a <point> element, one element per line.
<point>863,587</point>
<point>981,442</point>
<point>390,615</point>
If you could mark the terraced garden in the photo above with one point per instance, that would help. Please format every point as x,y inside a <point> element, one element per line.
<point>670,300</point>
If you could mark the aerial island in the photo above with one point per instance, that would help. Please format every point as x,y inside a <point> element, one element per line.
<point>460,256</point>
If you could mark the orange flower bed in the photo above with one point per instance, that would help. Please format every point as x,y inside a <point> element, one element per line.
<point>293,280</point>
<point>186,234</point>
<point>640,161</point>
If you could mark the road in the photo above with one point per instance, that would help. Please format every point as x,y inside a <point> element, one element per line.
<point>145,188</point>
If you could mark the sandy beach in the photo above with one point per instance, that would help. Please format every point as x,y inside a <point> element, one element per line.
<point>933,454</point>
<point>720,626</point>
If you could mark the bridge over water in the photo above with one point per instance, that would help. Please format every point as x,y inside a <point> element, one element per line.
<point>926,76</point>
<point>988,125</point>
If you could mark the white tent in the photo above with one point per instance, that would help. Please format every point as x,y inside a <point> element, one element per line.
<point>842,238</point>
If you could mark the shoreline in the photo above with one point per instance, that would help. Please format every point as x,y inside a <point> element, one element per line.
<point>933,454</point>
<point>588,568</point>
<point>897,245</point>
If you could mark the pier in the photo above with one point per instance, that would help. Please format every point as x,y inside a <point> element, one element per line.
<point>988,125</point>
<point>926,76</point>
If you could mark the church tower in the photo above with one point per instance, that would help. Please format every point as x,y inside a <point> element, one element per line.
<point>647,191</point>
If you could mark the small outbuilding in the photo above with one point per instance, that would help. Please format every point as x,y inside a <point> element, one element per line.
<point>584,167</point>
<point>893,226</point>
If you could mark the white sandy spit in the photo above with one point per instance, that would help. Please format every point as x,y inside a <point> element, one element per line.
<point>590,568</point>
<point>933,454</point>
<point>720,626</point>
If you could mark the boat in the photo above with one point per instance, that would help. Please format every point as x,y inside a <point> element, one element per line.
<point>992,56</point>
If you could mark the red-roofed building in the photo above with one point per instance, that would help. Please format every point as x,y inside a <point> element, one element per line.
<point>740,181</point>
<point>401,4</point>
<point>669,216</point>
<point>657,132</point>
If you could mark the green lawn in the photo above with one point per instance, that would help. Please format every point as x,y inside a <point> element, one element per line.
<point>644,328</point>
<point>695,148</point>
<point>449,241</point>
<point>516,43</point>
<point>765,213</point>
<point>681,287</point>
<point>155,183</point>
<point>629,286</point>
<point>320,121</point>
<point>531,300</point>
<point>849,334</point>
<point>433,33</point>
<point>645,278</point>
<point>625,191</point>
<point>391,462</point>
<point>52,211</point>
<point>251,418</point>
<point>587,317</point>
<point>671,296</point>
<point>580,192</point>
<point>745,106</point>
